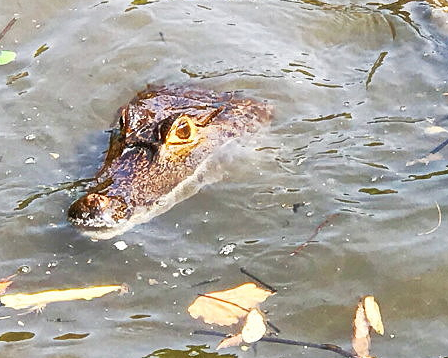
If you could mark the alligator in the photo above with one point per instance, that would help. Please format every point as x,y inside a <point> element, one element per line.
<point>158,154</point>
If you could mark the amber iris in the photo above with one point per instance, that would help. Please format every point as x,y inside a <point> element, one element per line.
<point>183,130</point>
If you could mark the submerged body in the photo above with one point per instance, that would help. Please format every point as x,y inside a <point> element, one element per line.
<point>158,153</point>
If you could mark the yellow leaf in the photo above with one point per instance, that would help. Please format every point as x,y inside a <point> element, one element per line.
<point>254,328</point>
<point>229,306</point>
<point>435,130</point>
<point>373,314</point>
<point>231,341</point>
<point>3,286</point>
<point>40,299</point>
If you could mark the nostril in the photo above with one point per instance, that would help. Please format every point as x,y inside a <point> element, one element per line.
<point>102,201</point>
<point>97,210</point>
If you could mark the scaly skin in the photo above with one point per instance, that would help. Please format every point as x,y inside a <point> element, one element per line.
<point>163,136</point>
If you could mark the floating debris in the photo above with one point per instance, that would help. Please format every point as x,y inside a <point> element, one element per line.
<point>121,245</point>
<point>7,57</point>
<point>11,79</point>
<point>67,336</point>
<point>30,160</point>
<point>41,49</point>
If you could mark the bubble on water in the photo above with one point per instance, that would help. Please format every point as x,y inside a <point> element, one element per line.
<point>403,108</point>
<point>227,249</point>
<point>187,271</point>
<point>24,269</point>
<point>30,160</point>
<point>30,137</point>
<point>121,245</point>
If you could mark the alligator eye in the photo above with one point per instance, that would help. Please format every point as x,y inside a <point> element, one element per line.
<point>182,131</point>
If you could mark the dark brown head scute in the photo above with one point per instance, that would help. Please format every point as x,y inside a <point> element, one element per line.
<point>164,135</point>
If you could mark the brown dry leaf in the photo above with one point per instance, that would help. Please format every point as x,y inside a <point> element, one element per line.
<point>40,299</point>
<point>361,335</point>
<point>229,306</point>
<point>255,327</point>
<point>231,341</point>
<point>373,315</point>
<point>3,286</point>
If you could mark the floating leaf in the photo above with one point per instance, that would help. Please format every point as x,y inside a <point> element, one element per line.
<point>361,335</point>
<point>435,130</point>
<point>41,49</point>
<point>367,315</point>
<point>254,328</point>
<point>229,306</point>
<point>67,336</point>
<point>7,57</point>
<point>373,314</point>
<point>3,286</point>
<point>231,341</point>
<point>40,299</point>
<point>16,336</point>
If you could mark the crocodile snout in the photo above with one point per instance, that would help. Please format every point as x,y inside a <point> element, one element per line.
<point>97,211</point>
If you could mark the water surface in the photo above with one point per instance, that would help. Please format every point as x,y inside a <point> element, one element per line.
<point>355,86</point>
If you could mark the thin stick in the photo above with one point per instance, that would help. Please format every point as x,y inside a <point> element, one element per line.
<point>438,223</point>
<point>215,279</point>
<point>325,346</point>
<point>439,147</point>
<point>269,287</point>
<point>316,231</point>
<point>7,27</point>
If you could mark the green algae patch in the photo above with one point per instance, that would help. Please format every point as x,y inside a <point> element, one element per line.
<point>67,336</point>
<point>375,191</point>
<point>16,336</point>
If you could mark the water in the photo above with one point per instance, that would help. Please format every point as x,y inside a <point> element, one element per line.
<point>355,87</point>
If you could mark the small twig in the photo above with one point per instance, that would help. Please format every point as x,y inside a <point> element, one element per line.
<point>316,231</point>
<point>273,327</point>
<point>7,27</point>
<point>211,280</point>
<point>439,147</point>
<point>438,223</point>
<point>9,278</point>
<point>325,346</point>
<point>269,287</point>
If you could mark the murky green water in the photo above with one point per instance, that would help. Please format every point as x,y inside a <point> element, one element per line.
<point>355,88</point>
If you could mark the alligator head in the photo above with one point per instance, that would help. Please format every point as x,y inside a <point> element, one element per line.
<point>164,137</point>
